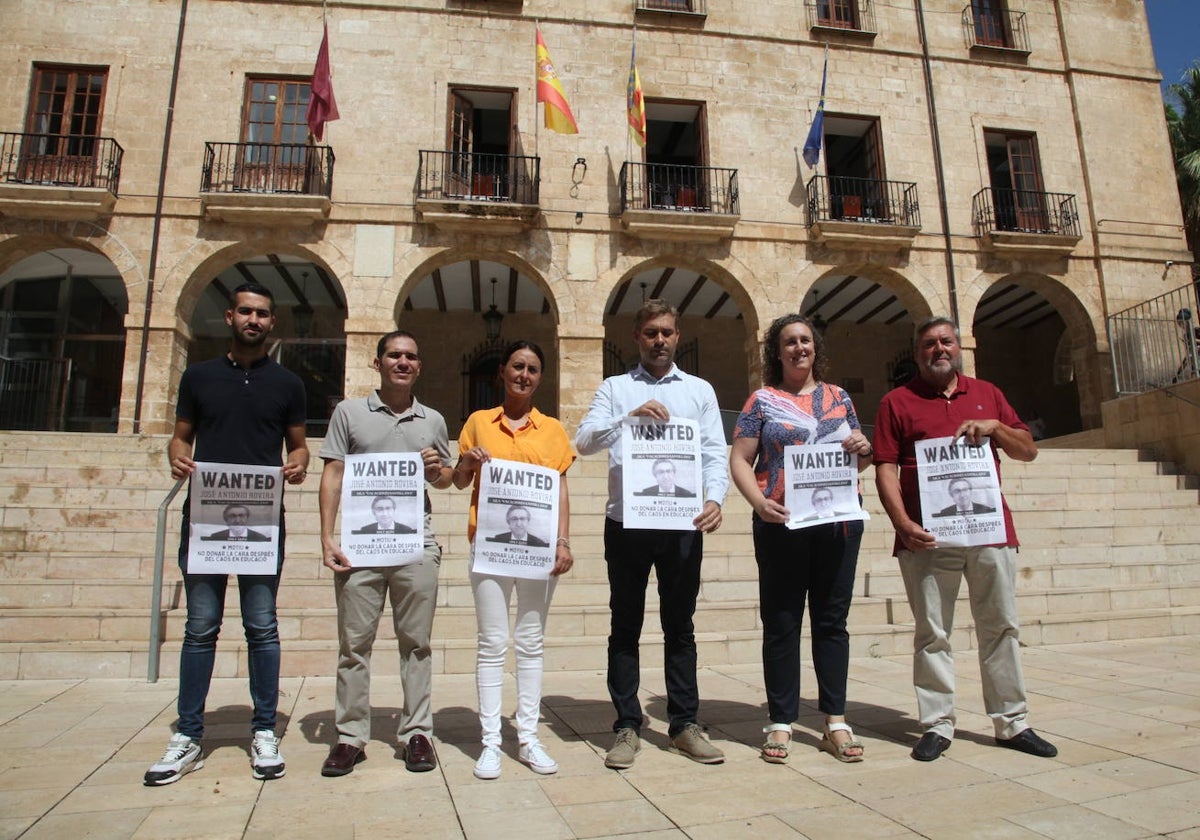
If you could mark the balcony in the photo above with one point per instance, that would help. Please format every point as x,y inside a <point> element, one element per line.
<point>996,29</point>
<point>50,176</point>
<point>277,184</point>
<point>846,17</point>
<point>481,193</point>
<point>1026,222</point>
<point>685,7</point>
<point>863,213</point>
<point>678,203</point>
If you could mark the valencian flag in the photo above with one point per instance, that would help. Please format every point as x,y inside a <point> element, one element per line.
<point>634,104</point>
<point>322,107</point>
<point>550,91</point>
<point>812,146</point>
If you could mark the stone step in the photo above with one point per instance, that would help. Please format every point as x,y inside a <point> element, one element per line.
<point>86,659</point>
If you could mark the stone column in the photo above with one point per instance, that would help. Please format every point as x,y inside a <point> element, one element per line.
<point>580,371</point>
<point>168,345</point>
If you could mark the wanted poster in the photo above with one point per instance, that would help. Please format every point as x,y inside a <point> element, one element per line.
<point>517,527</point>
<point>383,510</point>
<point>960,492</point>
<point>820,485</point>
<point>662,478</point>
<point>234,519</point>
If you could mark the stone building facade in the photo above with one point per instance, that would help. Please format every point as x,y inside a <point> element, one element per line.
<point>1005,162</point>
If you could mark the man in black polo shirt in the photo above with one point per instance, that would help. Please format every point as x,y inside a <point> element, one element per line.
<point>241,408</point>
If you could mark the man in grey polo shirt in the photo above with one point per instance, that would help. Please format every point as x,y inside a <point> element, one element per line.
<point>389,420</point>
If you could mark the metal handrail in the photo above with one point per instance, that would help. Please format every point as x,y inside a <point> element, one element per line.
<point>478,176</point>
<point>842,15</point>
<point>1156,344</point>
<point>160,547</point>
<point>996,29</point>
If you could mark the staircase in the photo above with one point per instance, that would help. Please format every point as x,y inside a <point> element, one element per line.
<point>1111,550</point>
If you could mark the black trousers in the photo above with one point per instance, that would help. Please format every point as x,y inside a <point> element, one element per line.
<point>675,557</point>
<point>816,563</point>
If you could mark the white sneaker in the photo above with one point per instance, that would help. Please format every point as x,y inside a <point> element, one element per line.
<point>183,755</point>
<point>537,758</point>
<point>266,762</point>
<point>488,765</point>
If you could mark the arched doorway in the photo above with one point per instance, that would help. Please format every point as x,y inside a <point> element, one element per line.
<point>1024,346</point>
<point>62,342</point>
<point>309,337</point>
<point>712,326</point>
<point>481,304</point>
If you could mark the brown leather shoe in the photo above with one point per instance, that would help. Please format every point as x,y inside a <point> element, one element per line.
<point>418,755</point>
<point>342,759</point>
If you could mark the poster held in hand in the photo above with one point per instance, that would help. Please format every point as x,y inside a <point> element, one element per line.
<point>960,492</point>
<point>383,510</point>
<point>517,528</point>
<point>662,481</point>
<point>820,485</point>
<point>234,519</point>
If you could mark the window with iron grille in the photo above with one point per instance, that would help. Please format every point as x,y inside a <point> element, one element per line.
<point>66,107</point>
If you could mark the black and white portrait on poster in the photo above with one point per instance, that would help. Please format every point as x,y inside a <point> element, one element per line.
<point>960,492</point>
<point>662,485</point>
<point>383,515</point>
<point>820,485</point>
<point>234,516</point>
<point>518,520</point>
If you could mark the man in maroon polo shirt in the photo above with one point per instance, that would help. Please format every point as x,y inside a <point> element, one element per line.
<point>938,402</point>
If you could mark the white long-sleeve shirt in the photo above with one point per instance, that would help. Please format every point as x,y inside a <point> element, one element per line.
<point>683,395</point>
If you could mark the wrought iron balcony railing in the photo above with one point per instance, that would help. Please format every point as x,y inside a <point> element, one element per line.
<point>688,189</point>
<point>847,15</point>
<point>694,7</point>
<point>471,176</point>
<point>60,160</point>
<point>997,29</point>
<point>286,168</point>
<point>833,198</point>
<point>1025,211</point>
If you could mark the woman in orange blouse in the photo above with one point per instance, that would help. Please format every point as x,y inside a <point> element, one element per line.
<point>515,431</point>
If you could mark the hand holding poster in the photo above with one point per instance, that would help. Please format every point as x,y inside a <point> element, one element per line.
<point>517,527</point>
<point>820,485</point>
<point>383,511</point>
<point>960,492</point>
<point>663,486</point>
<point>234,519</point>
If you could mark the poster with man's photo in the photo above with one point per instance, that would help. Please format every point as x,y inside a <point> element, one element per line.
<point>960,492</point>
<point>820,485</point>
<point>517,528</point>
<point>662,477</point>
<point>234,516</point>
<point>383,509</point>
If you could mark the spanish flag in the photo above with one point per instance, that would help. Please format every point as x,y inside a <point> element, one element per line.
<point>550,91</point>
<point>634,104</point>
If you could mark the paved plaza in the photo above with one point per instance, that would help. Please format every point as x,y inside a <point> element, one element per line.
<point>1125,716</point>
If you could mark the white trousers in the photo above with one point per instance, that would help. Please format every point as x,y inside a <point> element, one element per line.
<point>492,596</point>
<point>932,579</point>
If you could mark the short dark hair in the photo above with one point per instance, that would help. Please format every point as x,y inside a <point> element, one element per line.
<point>382,344</point>
<point>516,346</point>
<point>511,508</point>
<point>652,309</point>
<point>773,366</point>
<point>666,461</point>
<point>959,480</point>
<point>936,321</point>
<point>379,499</point>
<point>252,289</point>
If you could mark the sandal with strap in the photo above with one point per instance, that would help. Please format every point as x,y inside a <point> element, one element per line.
<point>776,752</point>
<point>841,752</point>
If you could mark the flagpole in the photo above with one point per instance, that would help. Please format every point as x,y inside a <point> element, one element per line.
<point>537,25</point>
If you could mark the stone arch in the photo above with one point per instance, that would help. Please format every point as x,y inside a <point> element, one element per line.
<point>1040,341</point>
<point>706,292</point>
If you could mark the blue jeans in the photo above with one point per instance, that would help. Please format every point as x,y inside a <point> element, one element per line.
<point>205,609</point>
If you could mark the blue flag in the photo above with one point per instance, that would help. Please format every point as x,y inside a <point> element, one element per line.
<point>812,146</point>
